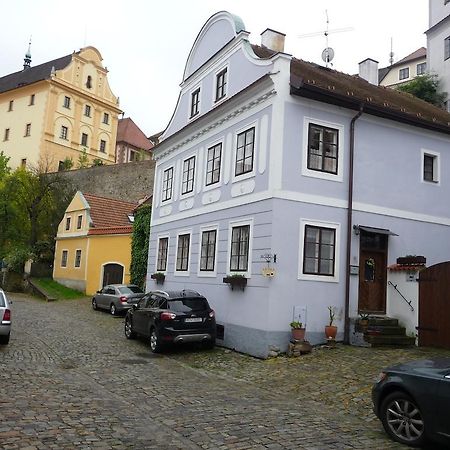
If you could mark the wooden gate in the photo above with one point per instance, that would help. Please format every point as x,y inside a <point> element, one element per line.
<point>434,306</point>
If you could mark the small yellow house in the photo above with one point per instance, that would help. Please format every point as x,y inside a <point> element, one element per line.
<point>93,243</point>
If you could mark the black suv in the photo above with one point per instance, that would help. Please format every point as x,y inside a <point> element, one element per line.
<point>172,317</point>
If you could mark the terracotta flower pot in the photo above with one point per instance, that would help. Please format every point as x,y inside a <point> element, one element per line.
<point>298,334</point>
<point>330,331</point>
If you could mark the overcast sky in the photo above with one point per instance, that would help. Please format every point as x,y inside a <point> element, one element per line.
<point>145,44</point>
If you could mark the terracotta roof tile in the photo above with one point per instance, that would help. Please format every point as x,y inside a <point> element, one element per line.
<point>107,212</point>
<point>314,81</point>
<point>406,267</point>
<point>419,53</point>
<point>130,133</point>
<point>111,230</point>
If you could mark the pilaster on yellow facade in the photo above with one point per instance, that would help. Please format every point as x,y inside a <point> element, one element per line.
<point>58,110</point>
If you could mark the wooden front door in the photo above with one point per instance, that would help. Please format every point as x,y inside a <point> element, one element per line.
<point>434,306</point>
<point>372,273</point>
<point>112,274</point>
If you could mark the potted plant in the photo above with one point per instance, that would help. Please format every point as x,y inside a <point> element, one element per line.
<point>297,330</point>
<point>236,280</point>
<point>330,329</point>
<point>363,322</point>
<point>159,277</point>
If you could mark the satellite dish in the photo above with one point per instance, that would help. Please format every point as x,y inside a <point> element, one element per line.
<point>328,55</point>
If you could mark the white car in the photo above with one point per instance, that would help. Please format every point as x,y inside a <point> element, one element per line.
<point>5,318</point>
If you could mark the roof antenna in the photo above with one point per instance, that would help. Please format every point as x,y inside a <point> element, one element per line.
<point>391,55</point>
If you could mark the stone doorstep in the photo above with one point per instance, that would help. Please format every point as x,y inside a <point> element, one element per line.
<point>298,348</point>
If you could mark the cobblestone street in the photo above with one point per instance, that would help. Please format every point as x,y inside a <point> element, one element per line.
<point>70,379</point>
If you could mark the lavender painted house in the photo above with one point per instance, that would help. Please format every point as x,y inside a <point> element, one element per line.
<point>307,181</point>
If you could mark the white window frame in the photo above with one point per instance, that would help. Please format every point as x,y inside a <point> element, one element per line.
<point>311,277</point>
<point>75,258</point>
<point>68,220</point>
<point>169,200</point>
<point>80,221</point>
<point>216,73</point>
<point>236,178</point>
<point>424,65</point>
<point>183,273</point>
<point>403,70</point>
<point>190,193</point>
<point>159,237</point>
<point>203,273</point>
<point>341,145</point>
<point>67,258</point>
<point>240,223</point>
<point>205,165</point>
<point>191,91</point>
<point>436,166</point>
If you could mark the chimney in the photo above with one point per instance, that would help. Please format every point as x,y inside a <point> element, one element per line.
<point>273,40</point>
<point>368,70</point>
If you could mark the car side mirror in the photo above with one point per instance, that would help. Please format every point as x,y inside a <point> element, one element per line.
<point>99,291</point>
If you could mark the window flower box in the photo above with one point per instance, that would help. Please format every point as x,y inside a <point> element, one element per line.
<point>236,281</point>
<point>159,277</point>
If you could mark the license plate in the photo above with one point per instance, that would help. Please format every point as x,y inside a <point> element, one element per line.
<point>193,319</point>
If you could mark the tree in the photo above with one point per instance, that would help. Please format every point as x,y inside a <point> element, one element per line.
<point>425,87</point>
<point>139,244</point>
<point>83,160</point>
<point>4,167</point>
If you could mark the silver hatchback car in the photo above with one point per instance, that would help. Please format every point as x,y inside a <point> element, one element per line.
<point>117,298</point>
<point>5,318</point>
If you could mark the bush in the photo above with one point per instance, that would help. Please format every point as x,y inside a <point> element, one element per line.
<point>16,258</point>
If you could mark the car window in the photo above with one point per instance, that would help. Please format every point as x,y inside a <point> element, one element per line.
<point>143,301</point>
<point>130,290</point>
<point>187,304</point>
<point>2,300</point>
<point>110,291</point>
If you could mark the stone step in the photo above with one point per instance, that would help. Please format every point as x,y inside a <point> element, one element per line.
<point>381,329</point>
<point>387,340</point>
<point>383,321</point>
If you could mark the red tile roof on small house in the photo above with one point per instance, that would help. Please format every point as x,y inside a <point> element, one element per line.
<point>419,53</point>
<point>129,133</point>
<point>111,230</point>
<point>107,213</point>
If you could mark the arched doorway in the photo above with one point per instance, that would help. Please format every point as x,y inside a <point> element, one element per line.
<point>112,274</point>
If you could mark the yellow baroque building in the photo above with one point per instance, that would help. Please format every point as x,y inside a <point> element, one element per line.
<point>93,243</point>
<point>57,110</point>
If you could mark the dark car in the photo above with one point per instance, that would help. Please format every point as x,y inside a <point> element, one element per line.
<point>412,400</point>
<point>172,317</point>
<point>117,298</point>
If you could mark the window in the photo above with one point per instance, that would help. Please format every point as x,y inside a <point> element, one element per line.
<point>319,250</point>
<point>221,84</point>
<point>106,118</point>
<point>6,135</point>
<point>64,258</point>
<point>23,163</point>
<point>79,222</point>
<point>208,251</point>
<point>87,110</point>
<point>67,223</point>
<point>66,103</point>
<point>447,48</point>
<point>102,146</point>
<point>403,73</point>
<point>27,129</point>
<point>11,105</point>
<point>84,139</point>
<point>64,132</point>
<point>89,82</point>
<point>213,164</point>
<point>183,253</point>
<point>244,151</point>
<point>161,263</point>
<point>430,166</point>
<point>240,239</point>
<point>188,175</point>
<point>322,149</point>
<point>195,102</point>
<point>421,68</point>
<point>31,100</point>
<point>167,184</point>
<point>78,258</point>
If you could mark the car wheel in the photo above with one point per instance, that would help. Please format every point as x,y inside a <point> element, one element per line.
<point>94,304</point>
<point>4,339</point>
<point>113,309</point>
<point>402,419</point>
<point>155,341</point>
<point>129,333</point>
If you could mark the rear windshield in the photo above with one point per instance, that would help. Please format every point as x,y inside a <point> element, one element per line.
<point>2,300</point>
<point>130,290</point>
<point>186,305</point>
